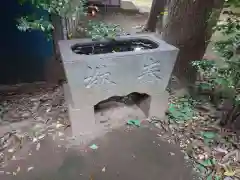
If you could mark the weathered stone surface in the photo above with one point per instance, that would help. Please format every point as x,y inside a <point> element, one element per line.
<point>85,122</point>
<point>93,78</point>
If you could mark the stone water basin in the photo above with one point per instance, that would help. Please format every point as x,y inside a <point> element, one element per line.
<point>98,70</point>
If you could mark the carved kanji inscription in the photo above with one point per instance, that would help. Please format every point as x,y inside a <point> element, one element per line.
<point>98,75</point>
<point>151,70</point>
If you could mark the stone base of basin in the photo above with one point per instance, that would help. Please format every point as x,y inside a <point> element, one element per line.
<point>84,122</point>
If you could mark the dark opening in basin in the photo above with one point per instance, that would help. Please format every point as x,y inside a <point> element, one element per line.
<point>114,46</point>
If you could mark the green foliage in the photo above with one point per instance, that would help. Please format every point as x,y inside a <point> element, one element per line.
<point>100,30</point>
<point>224,75</point>
<point>204,166</point>
<point>60,7</point>
<point>230,28</point>
<point>232,3</point>
<point>181,110</point>
<point>64,8</point>
<point>27,23</point>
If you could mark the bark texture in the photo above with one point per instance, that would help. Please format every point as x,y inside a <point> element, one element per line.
<point>156,8</point>
<point>189,27</point>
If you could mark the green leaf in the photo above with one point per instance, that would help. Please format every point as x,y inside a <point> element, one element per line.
<point>210,176</point>
<point>182,110</point>
<point>217,177</point>
<point>205,86</point>
<point>207,141</point>
<point>207,162</point>
<point>201,168</point>
<point>134,122</point>
<point>208,134</point>
<point>94,147</point>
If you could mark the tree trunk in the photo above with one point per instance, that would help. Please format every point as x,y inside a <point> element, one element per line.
<point>189,27</point>
<point>156,9</point>
<point>162,20</point>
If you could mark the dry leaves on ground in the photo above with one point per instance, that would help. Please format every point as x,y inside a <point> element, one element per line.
<point>216,155</point>
<point>30,117</point>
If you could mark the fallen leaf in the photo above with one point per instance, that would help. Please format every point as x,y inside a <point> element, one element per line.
<point>229,173</point>
<point>59,125</point>
<point>11,150</point>
<point>220,153</point>
<point>60,134</point>
<point>134,123</point>
<point>210,176</point>
<point>53,137</point>
<point>228,170</point>
<point>158,125</point>
<point>208,162</point>
<point>34,140</point>
<point>228,178</point>
<point>41,136</point>
<point>237,172</point>
<point>94,146</point>
<point>14,158</point>
<point>38,146</point>
<point>30,168</point>
<point>201,168</point>
<point>221,150</point>
<point>230,154</point>
<point>218,177</point>
<point>18,169</point>
<point>201,156</point>
<point>208,134</point>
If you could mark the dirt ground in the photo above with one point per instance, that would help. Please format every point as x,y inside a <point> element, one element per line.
<point>36,143</point>
<point>137,153</point>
